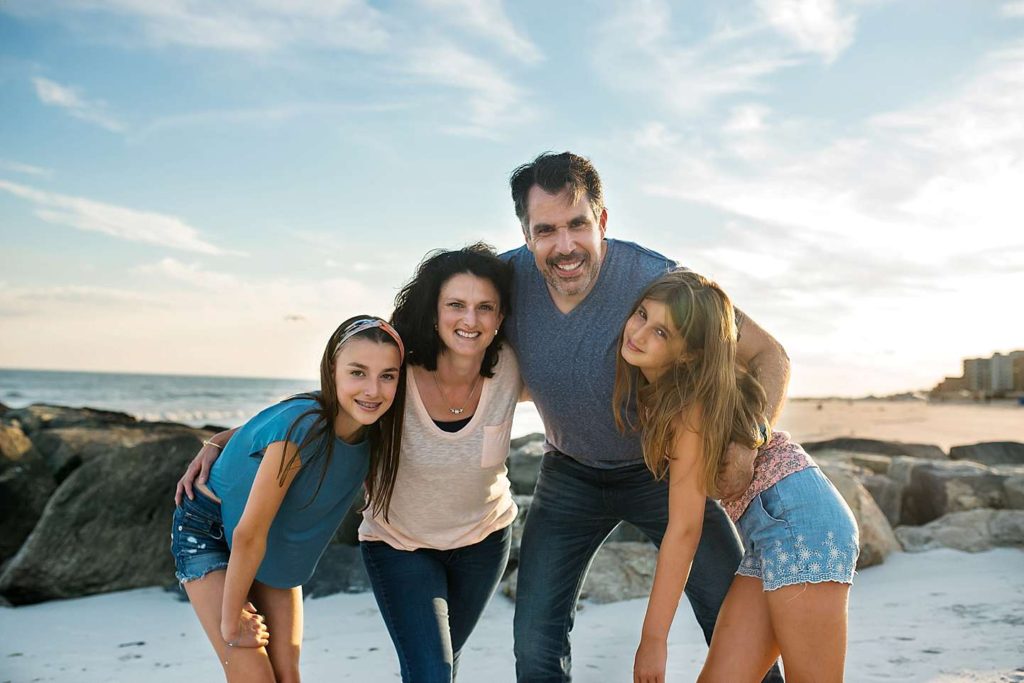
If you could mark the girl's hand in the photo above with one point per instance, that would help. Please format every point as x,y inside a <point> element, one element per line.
<point>649,663</point>
<point>247,631</point>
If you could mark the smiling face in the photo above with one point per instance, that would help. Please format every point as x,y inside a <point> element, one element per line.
<point>650,339</point>
<point>566,239</point>
<point>468,314</point>
<point>365,378</point>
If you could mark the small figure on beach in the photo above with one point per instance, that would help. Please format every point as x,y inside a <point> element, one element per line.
<point>677,367</point>
<point>247,540</point>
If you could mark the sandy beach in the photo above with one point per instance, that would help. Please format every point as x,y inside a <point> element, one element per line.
<point>940,616</point>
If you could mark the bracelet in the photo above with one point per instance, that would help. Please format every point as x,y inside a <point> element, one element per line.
<point>207,442</point>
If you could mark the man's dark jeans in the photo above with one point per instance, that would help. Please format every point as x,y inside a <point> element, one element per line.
<point>574,508</point>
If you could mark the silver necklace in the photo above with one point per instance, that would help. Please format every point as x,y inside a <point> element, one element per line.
<point>456,411</point>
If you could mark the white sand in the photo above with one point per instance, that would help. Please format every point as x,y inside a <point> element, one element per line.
<point>939,616</point>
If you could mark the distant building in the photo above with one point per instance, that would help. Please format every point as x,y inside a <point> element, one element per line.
<point>999,375</point>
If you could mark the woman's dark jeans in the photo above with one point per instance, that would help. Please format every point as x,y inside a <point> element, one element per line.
<point>432,599</point>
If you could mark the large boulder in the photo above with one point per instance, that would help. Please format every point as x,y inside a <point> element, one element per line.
<point>876,446</point>
<point>1013,492</point>
<point>970,531</point>
<point>990,453</point>
<point>525,454</point>
<point>25,486</point>
<point>340,570</point>
<point>44,416</point>
<point>107,526</point>
<point>888,494</point>
<point>620,571</point>
<point>876,536</point>
<point>66,448</point>
<point>935,489</point>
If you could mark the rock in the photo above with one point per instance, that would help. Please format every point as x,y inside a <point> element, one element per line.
<point>935,489</point>
<point>876,536</point>
<point>890,448</point>
<point>627,533</point>
<point>106,527</point>
<point>348,532</point>
<point>44,416</point>
<point>66,448</point>
<point>1013,492</point>
<point>523,503</point>
<point>621,571</point>
<point>521,441</point>
<point>524,466</point>
<point>25,486</point>
<point>971,531</point>
<point>879,464</point>
<point>990,453</point>
<point>888,495</point>
<point>340,570</point>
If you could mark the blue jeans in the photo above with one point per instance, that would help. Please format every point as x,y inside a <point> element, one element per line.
<point>574,509</point>
<point>432,599</point>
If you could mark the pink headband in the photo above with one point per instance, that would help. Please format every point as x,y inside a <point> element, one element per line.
<point>364,324</point>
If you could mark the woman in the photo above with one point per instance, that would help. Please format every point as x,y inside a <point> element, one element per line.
<point>678,364</point>
<point>437,555</point>
<point>437,549</point>
<point>278,494</point>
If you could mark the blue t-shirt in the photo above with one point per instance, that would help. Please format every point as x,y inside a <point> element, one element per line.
<point>568,359</point>
<point>301,530</point>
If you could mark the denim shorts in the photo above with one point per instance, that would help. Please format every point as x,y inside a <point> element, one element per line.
<point>197,539</point>
<point>799,531</point>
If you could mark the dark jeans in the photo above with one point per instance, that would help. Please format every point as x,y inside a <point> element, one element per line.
<point>574,509</point>
<point>432,599</point>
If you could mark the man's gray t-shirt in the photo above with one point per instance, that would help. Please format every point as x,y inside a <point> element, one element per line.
<point>568,359</point>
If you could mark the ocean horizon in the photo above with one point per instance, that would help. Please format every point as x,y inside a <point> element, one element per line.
<point>195,400</point>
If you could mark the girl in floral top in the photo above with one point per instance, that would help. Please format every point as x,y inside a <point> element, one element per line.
<point>789,598</point>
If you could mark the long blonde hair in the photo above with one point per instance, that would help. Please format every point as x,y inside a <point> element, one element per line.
<point>732,402</point>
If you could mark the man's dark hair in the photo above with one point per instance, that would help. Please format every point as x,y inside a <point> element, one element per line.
<point>554,173</point>
<point>415,314</point>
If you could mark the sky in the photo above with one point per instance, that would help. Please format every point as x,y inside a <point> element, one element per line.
<point>210,188</point>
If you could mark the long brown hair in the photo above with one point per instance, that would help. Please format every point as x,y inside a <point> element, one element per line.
<point>732,402</point>
<point>384,435</point>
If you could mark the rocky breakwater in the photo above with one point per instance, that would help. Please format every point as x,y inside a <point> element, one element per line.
<point>905,496</point>
<point>86,498</point>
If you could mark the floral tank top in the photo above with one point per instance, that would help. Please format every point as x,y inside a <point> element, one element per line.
<point>774,462</point>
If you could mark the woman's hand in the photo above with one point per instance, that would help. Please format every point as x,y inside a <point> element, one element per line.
<point>247,631</point>
<point>198,471</point>
<point>649,663</point>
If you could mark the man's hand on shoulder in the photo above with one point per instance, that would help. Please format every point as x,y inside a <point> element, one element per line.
<point>736,472</point>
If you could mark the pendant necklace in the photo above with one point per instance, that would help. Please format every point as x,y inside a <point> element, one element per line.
<point>456,411</point>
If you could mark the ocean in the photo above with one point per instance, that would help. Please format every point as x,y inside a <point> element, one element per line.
<point>191,400</point>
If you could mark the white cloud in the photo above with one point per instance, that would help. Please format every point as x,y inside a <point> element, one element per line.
<point>639,48</point>
<point>26,169</point>
<point>487,19</point>
<point>493,101</point>
<point>235,25</point>
<point>116,221</point>
<point>813,25</point>
<point>57,95</point>
<point>1014,10</point>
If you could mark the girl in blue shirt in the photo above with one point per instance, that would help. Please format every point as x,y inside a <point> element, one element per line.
<point>275,498</point>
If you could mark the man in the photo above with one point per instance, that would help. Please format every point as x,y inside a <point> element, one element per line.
<point>573,290</point>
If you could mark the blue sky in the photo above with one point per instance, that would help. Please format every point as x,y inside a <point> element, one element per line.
<point>208,188</point>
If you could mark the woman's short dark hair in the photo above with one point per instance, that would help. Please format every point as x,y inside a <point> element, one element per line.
<point>415,315</point>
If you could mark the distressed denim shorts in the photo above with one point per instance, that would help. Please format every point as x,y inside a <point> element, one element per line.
<point>799,531</point>
<point>197,539</point>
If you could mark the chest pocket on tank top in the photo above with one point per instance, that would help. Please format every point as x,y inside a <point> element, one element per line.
<point>495,448</point>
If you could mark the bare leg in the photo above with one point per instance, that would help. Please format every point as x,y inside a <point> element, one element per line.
<point>241,664</point>
<point>809,621</point>
<point>282,608</point>
<point>743,647</point>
